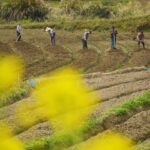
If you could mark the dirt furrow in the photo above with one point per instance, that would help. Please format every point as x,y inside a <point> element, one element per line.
<point>11,109</point>
<point>99,110</point>
<point>36,132</point>
<point>137,127</point>
<point>122,90</point>
<point>103,107</point>
<point>119,71</point>
<point>103,94</point>
<point>108,81</point>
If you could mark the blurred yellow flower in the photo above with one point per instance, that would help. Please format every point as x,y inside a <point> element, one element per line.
<point>10,72</point>
<point>7,141</point>
<point>108,141</point>
<point>65,97</point>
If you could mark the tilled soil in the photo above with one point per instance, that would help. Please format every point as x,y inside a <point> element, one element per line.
<point>40,57</point>
<point>38,62</point>
<point>140,57</point>
<point>137,127</point>
<point>85,59</point>
<point>111,60</point>
<point>5,49</point>
<point>112,90</point>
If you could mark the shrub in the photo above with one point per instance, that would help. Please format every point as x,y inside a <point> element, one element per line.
<point>23,9</point>
<point>96,10</point>
<point>72,6</point>
<point>82,8</point>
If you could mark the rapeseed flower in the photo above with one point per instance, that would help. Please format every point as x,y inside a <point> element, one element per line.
<point>65,98</point>
<point>108,141</point>
<point>11,70</point>
<point>7,141</point>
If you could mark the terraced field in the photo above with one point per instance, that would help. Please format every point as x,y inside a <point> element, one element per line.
<point>113,90</point>
<point>40,57</point>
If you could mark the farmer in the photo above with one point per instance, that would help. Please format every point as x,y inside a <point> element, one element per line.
<point>140,39</point>
<point>85,38</point>
<point>113,36</point>
<point>52,35</point>
<point>18,32</point>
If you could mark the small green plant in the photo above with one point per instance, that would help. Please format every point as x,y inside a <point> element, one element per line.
<point>14,95</point>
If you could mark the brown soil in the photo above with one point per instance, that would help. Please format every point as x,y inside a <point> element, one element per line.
<point>36,132</point>
<point>137,127</point>
<point>41,58</point>
<point>5,49</point>
<point>140,57</point>
<point>111,60</point>
<point>38,62</point>
<point>112,89</point>
<point>85,59</point>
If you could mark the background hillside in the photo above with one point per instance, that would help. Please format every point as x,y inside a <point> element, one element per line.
<point>78,14</point>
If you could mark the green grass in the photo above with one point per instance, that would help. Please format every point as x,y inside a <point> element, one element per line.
<point>133,104</point>
<point>130,24</point>
<point>89,128</point>
<point>14,95</point>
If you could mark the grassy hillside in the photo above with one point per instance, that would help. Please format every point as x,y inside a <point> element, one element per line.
<point>70,15</point>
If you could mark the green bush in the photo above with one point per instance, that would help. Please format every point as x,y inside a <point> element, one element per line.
<point>96,10</point>
<point>72,6</point>
<point>23,9</point>
<point>85,9</point>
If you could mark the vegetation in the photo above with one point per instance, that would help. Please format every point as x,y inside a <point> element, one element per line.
<point>23,9</point>
<point>100,15</point>
<point>14,95</point>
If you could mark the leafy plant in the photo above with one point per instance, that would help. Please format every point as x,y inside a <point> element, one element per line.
<point>23,9</point>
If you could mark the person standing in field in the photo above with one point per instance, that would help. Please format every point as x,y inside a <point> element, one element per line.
<point>113,36</point>
<point>85,38</point>
<point>52,35</point>
<point>140,39</point>
<point>18,32</point>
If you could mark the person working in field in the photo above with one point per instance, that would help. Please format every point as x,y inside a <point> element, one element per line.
<point>140,39</point>
<point>52,35</point>
<point>113,36</point>
<point>18,32</point>
<point>85,38</point>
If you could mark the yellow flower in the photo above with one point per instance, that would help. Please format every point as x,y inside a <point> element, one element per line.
<point>65,97</point>
<point>10,72</point>
<point>7,141</point>
<point>108,141</point>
